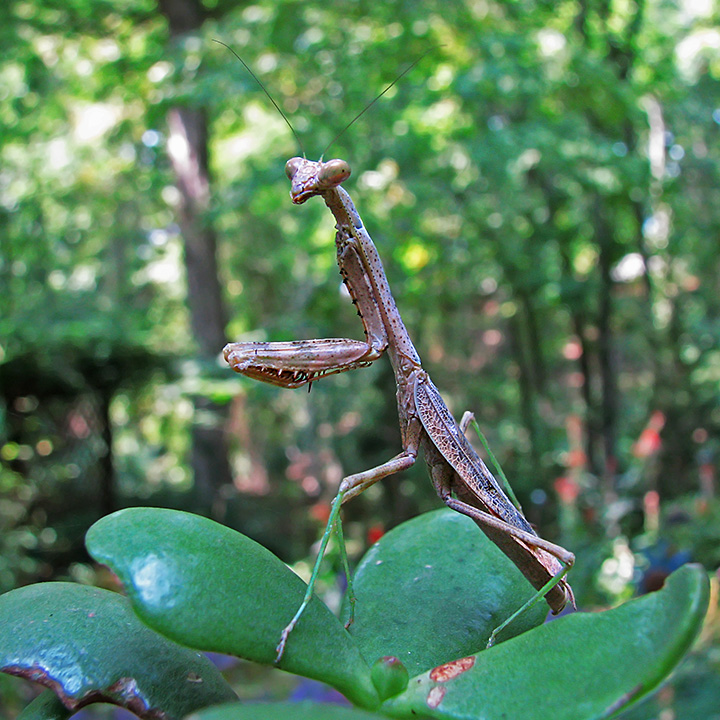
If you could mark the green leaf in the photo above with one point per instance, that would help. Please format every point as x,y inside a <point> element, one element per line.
<point>584,666</point>
<point>46,706</point>
<point>433,589</point>
<point>211,588</point>
<point>306,710</point>
<point>87,645</point>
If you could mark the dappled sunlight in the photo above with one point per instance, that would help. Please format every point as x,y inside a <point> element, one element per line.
<point>94,121</point>
<point>697,51</point>
<point>629,268</point>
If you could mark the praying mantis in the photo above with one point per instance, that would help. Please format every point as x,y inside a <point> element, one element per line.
<point>460,477</point>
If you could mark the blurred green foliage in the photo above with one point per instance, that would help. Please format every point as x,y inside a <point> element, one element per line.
<point>543,189</point>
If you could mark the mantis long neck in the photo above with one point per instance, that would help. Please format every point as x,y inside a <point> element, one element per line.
<point>367,282</point>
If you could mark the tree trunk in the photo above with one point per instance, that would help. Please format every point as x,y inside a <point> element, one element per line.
<point>188,152</point>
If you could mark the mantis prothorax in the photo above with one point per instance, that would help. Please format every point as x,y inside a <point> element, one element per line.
<point>459,475</point>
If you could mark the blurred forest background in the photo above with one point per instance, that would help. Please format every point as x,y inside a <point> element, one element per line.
<point>543,187</point>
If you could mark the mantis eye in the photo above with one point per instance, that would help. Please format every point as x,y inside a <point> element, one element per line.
<point>292,166</point>
<point>333,172</point>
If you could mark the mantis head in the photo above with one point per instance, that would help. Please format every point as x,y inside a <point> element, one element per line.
<point>310,178</point>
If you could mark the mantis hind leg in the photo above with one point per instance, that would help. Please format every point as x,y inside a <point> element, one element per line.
<point>531,602</point>
<point>526,550</point>
<point>564,558</point>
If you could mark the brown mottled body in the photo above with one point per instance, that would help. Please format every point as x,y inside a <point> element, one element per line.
<point>460,476</point>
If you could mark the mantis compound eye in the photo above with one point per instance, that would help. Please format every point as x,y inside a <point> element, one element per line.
<point>333,172</point>
<point>292,166</point>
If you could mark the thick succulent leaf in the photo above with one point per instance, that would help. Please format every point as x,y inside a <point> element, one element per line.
<point>46,706</point>
<point>433,589</point>
<point>211,588</point>
<point>87,645</point>
<point>583,666</point>
<point>283,711</point>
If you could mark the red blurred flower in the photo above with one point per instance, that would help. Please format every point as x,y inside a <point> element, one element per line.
<point>320,511</point>
<point>374,533</point>
<point>567,489</point>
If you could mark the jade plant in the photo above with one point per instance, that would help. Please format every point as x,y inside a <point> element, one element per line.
<point>429,594</point>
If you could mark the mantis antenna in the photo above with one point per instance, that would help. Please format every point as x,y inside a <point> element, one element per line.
<point>367,107</point>
<point>357,117</point>
<point>270,97</point>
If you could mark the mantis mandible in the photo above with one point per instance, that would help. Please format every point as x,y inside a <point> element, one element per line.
<point>459,475</point>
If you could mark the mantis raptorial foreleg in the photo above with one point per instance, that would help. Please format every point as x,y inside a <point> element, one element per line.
<point>295,363</point>
<point>460,476</point>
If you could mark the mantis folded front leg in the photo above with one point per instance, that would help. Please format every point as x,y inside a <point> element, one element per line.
<point>295,363</point>
<point>459,475</point>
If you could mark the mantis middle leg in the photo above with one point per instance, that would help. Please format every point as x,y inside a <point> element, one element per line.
<point>350,487</point>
